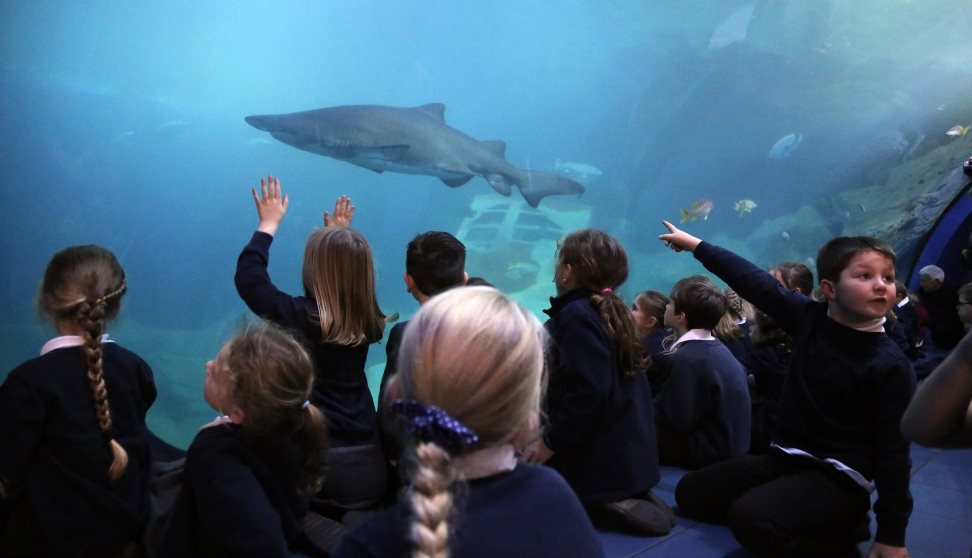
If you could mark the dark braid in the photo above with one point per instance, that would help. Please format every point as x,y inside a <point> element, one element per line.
<point>91,317</point>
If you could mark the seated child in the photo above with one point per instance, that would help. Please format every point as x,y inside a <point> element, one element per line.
<point>838,430</point>
<point>469,380</point>
<point>599,430</point>
<point>703,415</point>
<point>249,474</point>
<point>648,311</point>
<point>74,448</point>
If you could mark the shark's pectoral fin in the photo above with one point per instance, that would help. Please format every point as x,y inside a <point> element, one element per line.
<point>380,152</point>
<point>456,182</point>
<point>367,165</point>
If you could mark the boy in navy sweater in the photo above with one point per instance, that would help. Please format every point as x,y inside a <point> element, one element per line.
<point>837,436</point>
<point>703,414</point>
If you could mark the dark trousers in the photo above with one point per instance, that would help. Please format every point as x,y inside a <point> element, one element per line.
<point>779,505</point>
<point>354,480</point>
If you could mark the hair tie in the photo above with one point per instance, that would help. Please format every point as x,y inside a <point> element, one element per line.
<point>305,404</point>
<point>432,424</point>
<point>606,290</point>
<point>111,295</point>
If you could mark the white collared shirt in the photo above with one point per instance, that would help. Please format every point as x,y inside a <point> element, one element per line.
<point>698,334</point>
<point>68,341</point>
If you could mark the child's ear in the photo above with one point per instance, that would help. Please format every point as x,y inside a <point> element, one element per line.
<point>237,416</point>
<point>828,289</point>
<point>652,322</point>
<point>409,282</point>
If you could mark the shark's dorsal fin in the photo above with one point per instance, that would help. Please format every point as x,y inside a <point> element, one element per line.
<point>433,109</point>
<point>498,147</point>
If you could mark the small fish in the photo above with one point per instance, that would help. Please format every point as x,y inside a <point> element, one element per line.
<point>785,146</point>
<point>861,207</point>
<point>581,170</point>
<point>743,207</point>
<point>701,208</point>
<point>957,131</point>
<point>785,236</point>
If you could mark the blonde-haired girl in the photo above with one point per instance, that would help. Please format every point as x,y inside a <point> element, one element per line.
<point>469,379</point>
<point>74,454</point>
<point>337,319</point>
<point>248,474</point>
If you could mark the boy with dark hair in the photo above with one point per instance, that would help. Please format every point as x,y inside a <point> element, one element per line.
<point>435,261</point>
<point>838,432</point>
<point>703,414</point>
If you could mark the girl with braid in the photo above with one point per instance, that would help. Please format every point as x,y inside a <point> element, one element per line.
<point>250,473</point>
<point>469,379</point>
<point>74,454</point>
<point>599,431</point>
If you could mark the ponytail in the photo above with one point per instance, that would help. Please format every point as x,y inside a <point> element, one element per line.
<point>620,325</point>
<point>311,442</point>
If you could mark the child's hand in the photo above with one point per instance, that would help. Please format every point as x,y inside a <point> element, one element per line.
<point>271,207</point>
<point>343,213</point>
<point>678,240</point>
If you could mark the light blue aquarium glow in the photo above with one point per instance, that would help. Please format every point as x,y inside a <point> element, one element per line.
<point>772,125</point>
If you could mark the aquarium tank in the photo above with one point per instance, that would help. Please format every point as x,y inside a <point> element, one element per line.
<point>765,126</point>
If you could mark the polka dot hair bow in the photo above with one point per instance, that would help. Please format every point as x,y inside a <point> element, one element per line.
<point>432,424</point>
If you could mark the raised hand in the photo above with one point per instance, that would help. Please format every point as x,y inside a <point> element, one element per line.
<point>271,204</point>
<point>343,213</point>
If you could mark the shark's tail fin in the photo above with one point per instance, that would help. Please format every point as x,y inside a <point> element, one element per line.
<point>534,186</point>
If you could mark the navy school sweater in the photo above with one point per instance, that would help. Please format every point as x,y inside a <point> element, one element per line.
<point>340,384</point>
<point>54,459</point>
<point>529,511</point>
<point>703,414</point>
<point>845,391</point>
<point>599,423</point>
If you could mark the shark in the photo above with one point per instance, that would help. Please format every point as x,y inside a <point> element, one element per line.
<point>410,140</point>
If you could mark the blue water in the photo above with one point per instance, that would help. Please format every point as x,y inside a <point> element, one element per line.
<point>122,124</point>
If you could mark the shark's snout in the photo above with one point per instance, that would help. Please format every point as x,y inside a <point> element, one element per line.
<point>261,122</point>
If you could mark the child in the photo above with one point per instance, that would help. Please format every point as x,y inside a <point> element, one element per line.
<point>435,261</point>
<point>337,319</point>
<point>74,454</point>
<point>599,432</point>
<point>469,373</point>
<point>846,390</point>
<point>733,328</point>
<point>249,473</point>
<point>648,311</point>
<point>703,415</point>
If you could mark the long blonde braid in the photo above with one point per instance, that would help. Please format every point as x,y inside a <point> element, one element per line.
<point>431,499</point>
